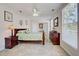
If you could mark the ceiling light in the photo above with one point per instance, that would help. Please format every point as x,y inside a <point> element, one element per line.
<point>35,11</point>
<point>35,14</point>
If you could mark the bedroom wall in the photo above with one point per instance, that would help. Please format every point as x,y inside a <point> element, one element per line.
<point>2,28</point>
<point>35,24</point>
<point>58,13</point>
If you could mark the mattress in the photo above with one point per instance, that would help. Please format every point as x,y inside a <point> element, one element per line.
<point>29,36</point>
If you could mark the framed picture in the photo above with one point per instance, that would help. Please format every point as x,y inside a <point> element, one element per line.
<point>41,25</point>
<point>8,16</point>
<point>55,22</point>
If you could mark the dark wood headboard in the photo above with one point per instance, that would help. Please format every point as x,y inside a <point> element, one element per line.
<point>16,31</point>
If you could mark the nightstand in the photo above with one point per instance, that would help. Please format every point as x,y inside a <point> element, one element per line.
<point>55,37</point>
<point>11,41</point>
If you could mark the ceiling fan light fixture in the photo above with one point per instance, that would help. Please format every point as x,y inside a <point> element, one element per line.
<point>35,14</point>
<point>34,10</point>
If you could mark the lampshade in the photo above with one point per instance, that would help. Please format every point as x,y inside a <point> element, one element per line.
<point>11,26</point>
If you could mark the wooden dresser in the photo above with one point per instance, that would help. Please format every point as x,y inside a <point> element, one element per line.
<point>11,41</point>
<point>54,37</point>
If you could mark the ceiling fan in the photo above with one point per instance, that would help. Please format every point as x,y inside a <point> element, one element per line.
<point>35,11</point>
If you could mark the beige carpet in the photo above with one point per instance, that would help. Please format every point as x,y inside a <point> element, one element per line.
<point>27,49</point>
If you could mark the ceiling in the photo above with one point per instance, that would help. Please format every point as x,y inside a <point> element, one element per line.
<point>45,9</point>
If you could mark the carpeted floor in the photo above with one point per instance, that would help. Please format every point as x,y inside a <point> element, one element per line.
<point>27,49</point>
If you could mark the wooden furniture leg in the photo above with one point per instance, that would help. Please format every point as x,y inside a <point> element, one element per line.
<point>43,38</point>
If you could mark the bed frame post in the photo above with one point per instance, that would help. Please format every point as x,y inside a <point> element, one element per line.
<point>43,38</point>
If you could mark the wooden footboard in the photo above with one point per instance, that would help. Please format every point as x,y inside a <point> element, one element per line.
<point>43,37</point>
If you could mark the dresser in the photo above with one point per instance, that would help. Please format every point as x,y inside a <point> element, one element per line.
<point>54,37</point>
<point>11,41</point>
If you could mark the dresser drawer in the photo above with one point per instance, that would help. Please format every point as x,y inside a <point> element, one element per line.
<point>55,38</point>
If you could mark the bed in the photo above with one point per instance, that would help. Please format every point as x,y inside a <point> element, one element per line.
<point>31,37</point>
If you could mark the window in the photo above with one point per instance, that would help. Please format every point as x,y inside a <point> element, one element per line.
<point>69,25</point>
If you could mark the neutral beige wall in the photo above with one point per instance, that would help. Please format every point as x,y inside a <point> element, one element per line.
<point>5,24</point>
<point>58,13</point>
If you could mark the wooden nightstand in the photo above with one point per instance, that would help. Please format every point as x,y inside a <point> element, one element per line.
<point>55,37</point>
<point>11,41</point>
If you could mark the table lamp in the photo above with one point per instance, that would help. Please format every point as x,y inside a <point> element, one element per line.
<point>11,27</point>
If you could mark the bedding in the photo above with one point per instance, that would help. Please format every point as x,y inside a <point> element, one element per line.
<point>29,36</point>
